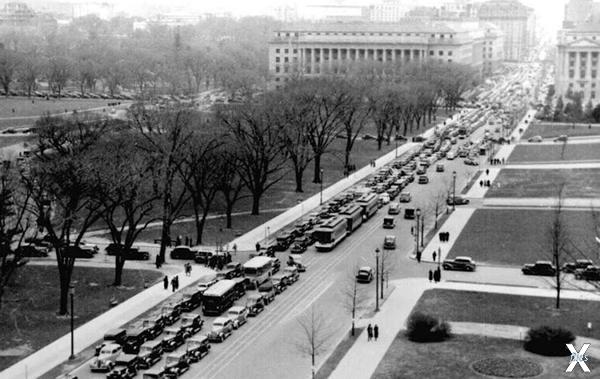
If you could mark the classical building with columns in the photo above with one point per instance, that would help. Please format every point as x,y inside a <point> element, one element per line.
<point>318,48</point>
<point>577,66</point>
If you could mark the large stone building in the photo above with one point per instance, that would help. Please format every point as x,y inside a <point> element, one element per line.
<point>577,68</point>
<point>16,13</point>
<point>516,21</point>
<point>318,48</point>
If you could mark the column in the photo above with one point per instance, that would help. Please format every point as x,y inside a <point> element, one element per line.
<point>321,59</point>
<point>312,60</point>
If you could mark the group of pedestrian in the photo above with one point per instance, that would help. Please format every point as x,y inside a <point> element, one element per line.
<point>485,183</point>
<point>180,240</point>
<point>188,269</point>
<point>496,161</point>
<point>218,261</point>
<point>372,332</point>
<point>444,236</point>
<point>435,275</point>
<point>174,283</point>
<point>373,163</point>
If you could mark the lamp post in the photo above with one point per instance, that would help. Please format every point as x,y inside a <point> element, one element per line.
<point>453,190</point>
<point>377,280</point>
<point>396,140</point>
<point>72,294</point>
<point>321,180</point>
<point>417,234</point>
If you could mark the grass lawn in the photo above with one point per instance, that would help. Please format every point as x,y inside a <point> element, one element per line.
<point>452,359</point>
<point>551,153</point>
<point>553,130</point>
<point>518,236</point>
<point>527,311</point>
<point>14,140</point>
<point>24,107</point>
<point>580,183</point>
<point>28,315</point>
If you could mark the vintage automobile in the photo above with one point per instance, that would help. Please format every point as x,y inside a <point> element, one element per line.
<point>459,264</point>
<point>173,337</point>
<point>591,273</point>
<point>388,223</point>
<point>542,268</point>
<point>183,252</point>
<point>191,300</point>
<point>226,273</point>
<point>268,290</point>
<point>197,348</point>
<point>126,367</point>
<point>156,373</point>
<point>457,200</point>
<point>236,267</point>
<point>105,361</point>
<point>405,197</point>
<point>112,336</point>
<point>283,240</point>
<point>32,251</point>
<point>296,260</point>
<point>275,265</point>
<point>291,273</point>
<point>154,326</point>
<point>171,312</point>
<point>222,328</point>
<point>191,324</point>
<point>394,209</point>
<point>389,242</point>
<point>305,240</point>
<point>579,264</point>
<point>279,282</point>
<point>204,285</point>
<point>238,314</point>
<point>255,304</point>
<point>203,256</point>
<point>298,248</point>
<point>150,353</point>
<point>364,275</point>
<point>176,364</point>
<point>135,338</point>
<point>241,284</point>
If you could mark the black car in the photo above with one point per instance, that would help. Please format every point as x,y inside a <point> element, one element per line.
<point>203,256</point>
<point>237,268</point>
<point>117,336</point>
<point>78,252</point>
<point>183,252</point>
<point>197,348</point>
<point>591,273</point>
<point>191,323</point>
<point>542,268</point>
<point>150,353</point>
<point>154,326</point>
<point>131,254</point>
<point>172,313</point>
<point>457,200</point>
<point>579,264</point>
<point>126,367</point>
<point>241,284</point>
<point>283,241</point>
<point>191,300</point>
<point>298,248</point>
<point>177,364</point>
<point>173,337</point>
<point>32,251</point>
<point>135,338</point>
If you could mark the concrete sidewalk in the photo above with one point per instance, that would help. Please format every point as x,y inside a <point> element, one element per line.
<point>58,351</point>
<point>543,202</point>
<point>477,191</point>
<point>454,225</point>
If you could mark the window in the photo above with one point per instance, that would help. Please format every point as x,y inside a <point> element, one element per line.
<point>296,34</point>
<point>276,51</point>
<point>276,68</point>
<point>450,53</point>
<point>287,34</point>
<point>285,69</point>
<point>440,52</point>
<point>593,94</point>
<point>431,52</point>
<point>593,75</point>
<point>441,36</point>
<point>276,79</point>
<point>571,74</point>
<point>582,74</point>
<point>286,51</point>
<point>276,59</point>
<point>490,56</point>
<point>295,51</point>
<point>570,85</point>
<point>593,85</point>
<point>433,36</point>
<point>449,60</point>
<point>286,59</point>
<point>451,35</point>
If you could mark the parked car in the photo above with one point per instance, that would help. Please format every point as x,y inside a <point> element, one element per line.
<point>561,138</point>
<point>364,275</point>
<point>279,283</point>
<point>114,336</point>
<point>197,348</point>
<point>173,337</point>
<point>79,252</point>
<point>423,179</point>
<point>126,366</point>
<point>296,260</point>
<point>389,242</point>
<point>191,324</point>
<point>439,168</point>
<point>394,209</point>
<point>238,314</point>
<point>105,361</point>
<point>459,264</point>
<point>155,373</point>
<point>154,325</point>
<point>405,197</point>
<point>176,364</point>
<point>222,328</point>
<point>202,256</point>
<point>255,304</point>
<point>471,162</point>
<point>535,139</point>
<point>591,273</point>
<point>268,290</point>
<point>579,264</point>
<point>171,312</point>
<point>32,251</point>
<point>542,268</point>
<point>457,200</point>
<point>150,353</point>
<point>389,223</point>
<point>191,299</point>
<point>236,267</point>
<point>135,338</point>
<point>291,273</point>
<point>183,252</point>
<point>284,239</point>
<point>298,249</point>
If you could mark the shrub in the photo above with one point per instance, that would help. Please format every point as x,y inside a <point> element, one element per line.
<point>426,328</point>
<point>547,340</point>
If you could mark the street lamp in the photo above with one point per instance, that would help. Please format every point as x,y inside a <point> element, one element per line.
<point>417,234</point>
<point>396,140</point>
<point>453,190</point>
<point>377,280</point>
<point>321,180</point>
<point>72,294</point>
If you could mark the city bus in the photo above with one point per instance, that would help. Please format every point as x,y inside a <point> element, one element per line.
<point>258,270</point>
<point>369,204</point>
<point>329,234</point>
<point>219,297</point>
<point>353,215</point>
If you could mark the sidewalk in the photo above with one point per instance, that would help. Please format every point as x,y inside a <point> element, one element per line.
<point>454,225</point>
<point>363,358</point>
<point>57,352</point>
<point>544,202</point>
<point>477,191</point>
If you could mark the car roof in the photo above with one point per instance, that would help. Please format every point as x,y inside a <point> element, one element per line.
<point>220,319</point>
<point>465,258</point>
<point>365,268</point>
<point>111,346</point>
<point>544,262</point>
<point>236,308</point>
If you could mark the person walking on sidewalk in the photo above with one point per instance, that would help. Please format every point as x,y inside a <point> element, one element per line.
<point>173,284</point>
<point>369,333</point>
<point>166,282</point>
<point>434,255</point>
<point>176,282</point>
<point>430,276</point>
<point>375,332</point>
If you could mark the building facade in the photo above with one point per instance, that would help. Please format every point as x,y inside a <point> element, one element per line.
<point>388,11</point>
<point>516,21</point>
<point>319,48</point>
<point>577,68</point>
<point>14,13</point>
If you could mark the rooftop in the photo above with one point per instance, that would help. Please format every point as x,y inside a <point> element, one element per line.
<point>371,27</point>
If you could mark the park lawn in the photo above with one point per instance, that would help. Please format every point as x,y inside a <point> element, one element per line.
<point>544,183</point>
<point>15,140</point>
<point>499,308</point>
<point>28,315</point>
<point>553,130</point>
<point>554,153</point>
<point>452,359</point>
<point>24,107</point>
<point>518,236</point>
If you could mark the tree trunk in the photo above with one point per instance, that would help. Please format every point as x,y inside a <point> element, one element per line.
<point>65,271</point>
<point>379,142</point>
<point>119,264</point>
<point>317,169</point>
<point>255,203</point>
<point>299,176</point>
<point>228,212</point>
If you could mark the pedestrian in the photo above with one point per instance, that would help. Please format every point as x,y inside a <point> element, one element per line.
<point>375,332</point>
<point>188,269</point>
<point>447,236</point>
<point>412,230</point>
<point>227,257</point>
<point>436,275</point>
<point>166,282</point>
<point>430,276</point>
<point>487,171</point>
<point>434,255</point>
<point>440,236</point>
<point>157,261</point>
<point>488,183</point>
<point>369,332</point>
<point>178,241</point>
<point>481,183</point>
<point>418,257</point>
<point>176,282</point>
<point>502,160</point>
<point>257,247</point>
<point>173,284</point>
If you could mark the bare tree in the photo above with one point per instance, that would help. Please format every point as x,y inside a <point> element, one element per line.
<point>353,296</point>
<point>315,336</point>
<point>9,63</point>
<point>437,203</point>
<point>229,182</point>
<point>557,241</point>
<point>28,72</point>
<point>59,72</point>
<point>354,118</point>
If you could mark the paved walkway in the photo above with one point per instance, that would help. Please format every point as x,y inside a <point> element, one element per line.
<point>528,202</point>
<point>477,191</point>
<point>454,225</point>
<point>555,165</point>
<point>57,352</point>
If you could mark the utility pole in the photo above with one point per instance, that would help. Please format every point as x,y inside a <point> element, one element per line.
<point>377,280</point>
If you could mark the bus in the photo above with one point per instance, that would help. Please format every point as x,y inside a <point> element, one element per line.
<point>219,297</point>
<point>329,234</point>
<point>258,270</point>
<point>369,204</point>
<point>353,215</point>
